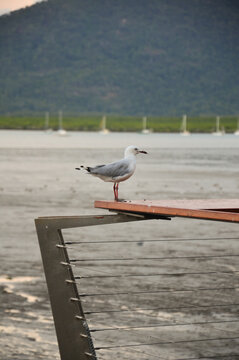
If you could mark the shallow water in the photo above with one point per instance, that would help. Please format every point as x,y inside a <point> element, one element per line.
<point>38,179</point>
<point>94,140</point>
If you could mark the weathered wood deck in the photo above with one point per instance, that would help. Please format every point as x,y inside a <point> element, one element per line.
<point>209,209</point>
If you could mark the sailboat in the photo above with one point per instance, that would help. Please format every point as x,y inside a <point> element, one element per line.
<point>103,130</point>
<point>145,130</point>
<point>184,131</point>
<point>61,131</point>
<point>47,129</point>
<point>218,132</point>
<point>237,130</point>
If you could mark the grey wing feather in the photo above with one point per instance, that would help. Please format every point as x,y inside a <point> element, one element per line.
<point>95,168</point>
<point>119,168</point>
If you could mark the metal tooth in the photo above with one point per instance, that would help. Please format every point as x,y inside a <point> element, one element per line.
<point>70,281</point>
<point>79,317</point>
<point>65,263</point>
<point>60,246</point>
<point>74,299</point>
<point>89,354</point>
<point>84,336</point>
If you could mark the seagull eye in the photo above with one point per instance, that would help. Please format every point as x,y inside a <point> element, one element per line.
<point>135,149</point>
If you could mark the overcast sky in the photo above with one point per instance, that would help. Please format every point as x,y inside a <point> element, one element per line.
<point>11,5</point>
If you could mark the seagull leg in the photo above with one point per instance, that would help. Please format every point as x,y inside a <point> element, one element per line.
<point>114,188</point>
<point>117,191</point>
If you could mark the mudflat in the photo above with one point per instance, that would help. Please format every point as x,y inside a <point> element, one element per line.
<point>38,178</point>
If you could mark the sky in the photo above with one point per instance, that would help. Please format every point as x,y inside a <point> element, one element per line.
<point>10,5</point>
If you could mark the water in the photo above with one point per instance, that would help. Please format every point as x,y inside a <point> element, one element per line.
<point>92,140</point>
<point>38,179</point>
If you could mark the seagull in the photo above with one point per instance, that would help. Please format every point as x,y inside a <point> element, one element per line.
<point>116,171</point>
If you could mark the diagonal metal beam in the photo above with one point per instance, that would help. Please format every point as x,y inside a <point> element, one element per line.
<point>74,339</point>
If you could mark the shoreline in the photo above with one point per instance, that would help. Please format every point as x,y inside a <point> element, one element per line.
<point>35,139</point>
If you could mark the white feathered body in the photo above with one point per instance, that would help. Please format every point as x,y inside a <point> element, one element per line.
<point>116,171</point>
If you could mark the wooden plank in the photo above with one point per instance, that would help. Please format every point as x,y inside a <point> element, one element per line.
<point>209,209</point>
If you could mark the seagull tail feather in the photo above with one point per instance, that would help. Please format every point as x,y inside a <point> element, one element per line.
<point>86,168</point>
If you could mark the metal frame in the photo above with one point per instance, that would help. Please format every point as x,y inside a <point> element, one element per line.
<point>73,335</point>
<point>74,339</point>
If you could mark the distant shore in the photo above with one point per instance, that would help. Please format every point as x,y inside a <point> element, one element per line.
<point>202,124</point>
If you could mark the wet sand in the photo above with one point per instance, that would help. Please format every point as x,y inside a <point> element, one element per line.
<point>38,179</point>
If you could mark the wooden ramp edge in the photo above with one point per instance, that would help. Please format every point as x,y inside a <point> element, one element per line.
<point>209,209</point>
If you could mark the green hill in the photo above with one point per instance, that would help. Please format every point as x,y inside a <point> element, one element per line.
<point>134,57</point>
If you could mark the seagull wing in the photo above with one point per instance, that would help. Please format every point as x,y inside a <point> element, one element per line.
<point>112,170</point>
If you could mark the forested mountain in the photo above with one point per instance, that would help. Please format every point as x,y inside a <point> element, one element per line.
<point>158,57</point>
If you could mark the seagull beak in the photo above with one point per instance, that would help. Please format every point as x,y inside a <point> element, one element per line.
<point>143,152</point>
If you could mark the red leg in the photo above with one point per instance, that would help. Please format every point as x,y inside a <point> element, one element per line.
<point>114,188</point>
<point>117,191</point>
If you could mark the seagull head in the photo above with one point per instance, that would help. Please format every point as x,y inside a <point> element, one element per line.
<point>133,150</point>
